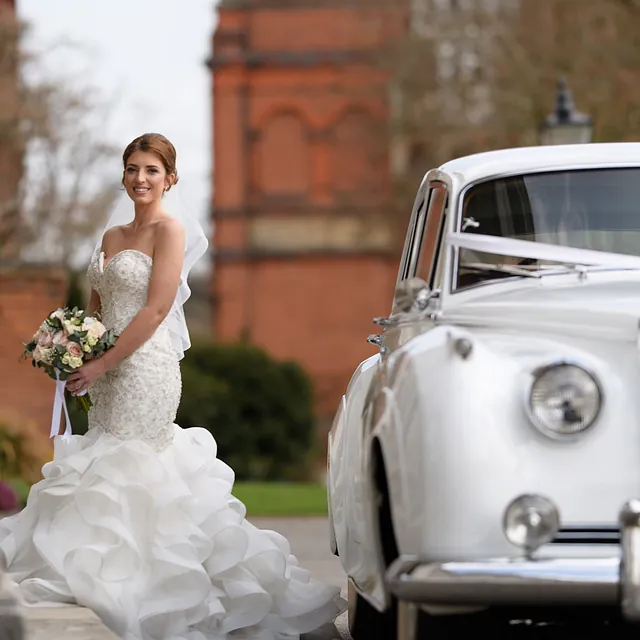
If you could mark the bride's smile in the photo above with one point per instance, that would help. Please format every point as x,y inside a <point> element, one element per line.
<point>145,179</point>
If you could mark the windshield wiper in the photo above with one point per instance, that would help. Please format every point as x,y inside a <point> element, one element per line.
<point>507,269</point>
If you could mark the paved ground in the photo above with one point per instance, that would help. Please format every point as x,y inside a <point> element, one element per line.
<point>309,542</point>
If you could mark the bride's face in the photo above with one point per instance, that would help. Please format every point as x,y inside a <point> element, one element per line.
<point>145,177</point>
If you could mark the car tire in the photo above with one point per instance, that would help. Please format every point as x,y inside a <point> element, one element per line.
<point>366,622</point>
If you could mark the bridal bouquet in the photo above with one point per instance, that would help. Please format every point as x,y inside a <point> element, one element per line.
<point>65,340</point>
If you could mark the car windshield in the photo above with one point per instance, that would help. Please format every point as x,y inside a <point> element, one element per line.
<point>596,209</point>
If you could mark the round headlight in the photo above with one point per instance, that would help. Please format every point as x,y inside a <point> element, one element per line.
<point>564,400</point>
<point>530,521</point>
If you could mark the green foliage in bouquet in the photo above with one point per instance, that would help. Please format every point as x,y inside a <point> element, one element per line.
<point>259,409</point>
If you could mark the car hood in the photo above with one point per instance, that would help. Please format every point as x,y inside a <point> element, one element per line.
<point>604,305</point>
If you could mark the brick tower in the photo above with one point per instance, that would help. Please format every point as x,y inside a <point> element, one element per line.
<point>304,256</point>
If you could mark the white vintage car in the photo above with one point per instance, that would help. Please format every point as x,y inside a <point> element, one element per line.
<point>484,466</point>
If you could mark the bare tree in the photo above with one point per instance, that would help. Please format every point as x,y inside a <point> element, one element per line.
<point>55,132</point>
<point>11,152</point>
<point>68,186</point>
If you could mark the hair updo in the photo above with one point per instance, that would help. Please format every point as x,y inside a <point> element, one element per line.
<point>157,144</point>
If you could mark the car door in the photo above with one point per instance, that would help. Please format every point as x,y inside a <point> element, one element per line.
<point>347,485</point>
<point>354,510</point>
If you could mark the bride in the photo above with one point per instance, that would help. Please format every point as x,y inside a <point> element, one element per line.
<point>136,520</point>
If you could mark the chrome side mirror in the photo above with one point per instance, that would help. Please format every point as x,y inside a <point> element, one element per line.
<point>413,295</point>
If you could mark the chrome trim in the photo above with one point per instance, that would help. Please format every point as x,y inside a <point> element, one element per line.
<point>592,534</point>
<point>386,322</point>
<point>543,429</point>
<point>551,168</point>
<point>419,202</point>
<point>541,582</point>
<point>375,339</point>
<point>408,616</point>
<point>553,581</point>
<point>630,564</point>
<point>463,347</point>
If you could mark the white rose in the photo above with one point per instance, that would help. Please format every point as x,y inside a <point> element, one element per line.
<point>75,362</point>
<point>93,327</point>
<point>68,327</point>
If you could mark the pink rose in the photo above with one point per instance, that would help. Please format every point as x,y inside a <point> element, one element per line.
<point>45,340</point>
<point>74,349</point>
<point>59,338</point>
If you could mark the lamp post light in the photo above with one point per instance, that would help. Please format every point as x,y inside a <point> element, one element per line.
<point>566,125</point>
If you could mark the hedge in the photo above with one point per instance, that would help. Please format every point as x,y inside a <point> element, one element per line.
<point>259,410</point>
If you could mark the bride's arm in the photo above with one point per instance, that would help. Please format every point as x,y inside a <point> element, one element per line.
<point>168,255</point>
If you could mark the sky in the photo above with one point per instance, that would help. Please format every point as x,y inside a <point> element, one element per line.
<point>148,58</point>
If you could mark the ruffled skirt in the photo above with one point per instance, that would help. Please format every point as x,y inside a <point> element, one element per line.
<point>157,546</point>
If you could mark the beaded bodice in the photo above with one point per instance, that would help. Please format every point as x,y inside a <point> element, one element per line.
<point>139,398</point>
<point>123,284</point>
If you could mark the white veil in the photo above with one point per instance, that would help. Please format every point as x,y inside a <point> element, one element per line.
<point>195,247</point>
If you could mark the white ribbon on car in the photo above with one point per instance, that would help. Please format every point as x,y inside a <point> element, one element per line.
<point>59,405</point>
<point>541,251</point>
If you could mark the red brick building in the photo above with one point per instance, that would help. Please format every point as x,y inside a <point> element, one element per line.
<point>304,257</point>
<point>27,294</point>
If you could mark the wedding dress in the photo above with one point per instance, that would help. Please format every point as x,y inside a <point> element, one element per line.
<point>136,520</point>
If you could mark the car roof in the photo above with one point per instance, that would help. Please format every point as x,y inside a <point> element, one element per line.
<point>491,164</point>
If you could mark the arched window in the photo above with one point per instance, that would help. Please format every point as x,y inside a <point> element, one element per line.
<point>283,156</point>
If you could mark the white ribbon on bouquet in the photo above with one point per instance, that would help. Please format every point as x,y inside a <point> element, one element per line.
<point>58,406</point>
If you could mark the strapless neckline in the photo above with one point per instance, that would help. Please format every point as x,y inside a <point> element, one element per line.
<point>104,264</point>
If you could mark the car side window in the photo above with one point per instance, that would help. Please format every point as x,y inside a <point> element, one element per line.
<point>431,238</point>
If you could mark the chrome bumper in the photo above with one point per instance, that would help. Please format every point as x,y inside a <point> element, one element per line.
<point>536,582</point>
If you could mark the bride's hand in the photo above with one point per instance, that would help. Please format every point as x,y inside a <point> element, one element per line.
<point>80,379</point>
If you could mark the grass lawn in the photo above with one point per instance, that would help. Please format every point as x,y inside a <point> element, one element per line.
<point>282,498</point>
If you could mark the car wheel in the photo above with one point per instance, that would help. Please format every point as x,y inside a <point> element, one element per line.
<point>366,622</point>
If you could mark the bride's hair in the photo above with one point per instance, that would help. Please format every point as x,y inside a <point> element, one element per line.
<point>153,143</point>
